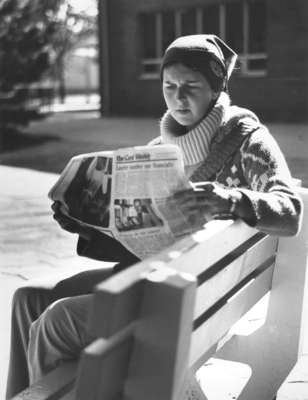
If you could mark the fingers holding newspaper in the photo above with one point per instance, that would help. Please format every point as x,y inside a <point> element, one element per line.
<point>67,223</point>
<point>205,200</point>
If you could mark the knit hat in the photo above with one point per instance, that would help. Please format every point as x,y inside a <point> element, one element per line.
<point>207,54</point>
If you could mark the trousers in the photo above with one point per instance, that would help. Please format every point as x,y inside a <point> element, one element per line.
<point>48,326</point>
<point>58,335</point>
<point>49,317</point>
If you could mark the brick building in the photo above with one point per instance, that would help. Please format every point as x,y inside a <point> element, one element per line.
<point>270,36</point>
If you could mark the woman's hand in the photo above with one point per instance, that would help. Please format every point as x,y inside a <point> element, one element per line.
<point>206,200</point>
<point>67,223</point>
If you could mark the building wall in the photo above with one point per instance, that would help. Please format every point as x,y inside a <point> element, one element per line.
<point>283,93</point>
<point>280,95</point>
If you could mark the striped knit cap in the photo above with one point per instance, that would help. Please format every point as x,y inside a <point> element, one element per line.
<point>195,144</point>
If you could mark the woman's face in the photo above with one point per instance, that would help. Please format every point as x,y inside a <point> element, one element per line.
<point>187,93</point>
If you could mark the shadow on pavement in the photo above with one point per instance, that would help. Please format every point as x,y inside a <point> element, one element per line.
<point>14,140</point>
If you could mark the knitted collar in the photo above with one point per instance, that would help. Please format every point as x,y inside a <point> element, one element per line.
<point>195,144</point>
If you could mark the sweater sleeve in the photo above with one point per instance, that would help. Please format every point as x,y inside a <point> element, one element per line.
<point>104,248</point>
<point>270,189</point>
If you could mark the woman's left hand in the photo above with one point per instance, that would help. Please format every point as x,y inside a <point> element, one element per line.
<point>206,200</point>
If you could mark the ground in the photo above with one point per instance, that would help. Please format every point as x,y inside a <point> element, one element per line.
<point>31,244</point>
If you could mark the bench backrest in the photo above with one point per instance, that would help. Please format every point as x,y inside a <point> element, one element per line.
<point>168,313</point>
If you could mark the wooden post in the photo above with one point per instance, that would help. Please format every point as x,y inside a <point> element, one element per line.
<point>162,337</point>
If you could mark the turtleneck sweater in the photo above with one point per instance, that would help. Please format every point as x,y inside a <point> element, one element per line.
<point>194,143</point>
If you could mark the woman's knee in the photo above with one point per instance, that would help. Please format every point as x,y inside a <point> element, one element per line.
<point>49,323</point>
<point>24,294</point>
<point>38,293</point>
<point>31,300</point>
<point>51,341</point>
<point>63,323</point>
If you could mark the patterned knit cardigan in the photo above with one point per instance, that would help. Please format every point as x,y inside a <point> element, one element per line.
<point>257,168</point>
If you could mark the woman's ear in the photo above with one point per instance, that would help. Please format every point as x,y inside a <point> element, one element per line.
<point>215,95</point>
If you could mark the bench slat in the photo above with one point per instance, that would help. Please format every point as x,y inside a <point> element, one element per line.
<point>226,278</point>
<point>211,331</point>
<point>208,249</point>
<point>53,386</point>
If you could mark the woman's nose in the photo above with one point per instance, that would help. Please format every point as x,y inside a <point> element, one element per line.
<point>180,93</point>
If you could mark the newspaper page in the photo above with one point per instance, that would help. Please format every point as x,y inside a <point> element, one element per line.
<point>84,190</point>
<point>145,177</point>
<point>127,194</point>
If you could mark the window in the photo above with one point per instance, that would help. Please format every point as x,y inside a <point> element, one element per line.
<point>210,20</point>
<point>256,42</point>
<point>149,44</point>
<point>234,33</point>
<point>188,21</point>
<point>242,24</point>
<point>168,28</point>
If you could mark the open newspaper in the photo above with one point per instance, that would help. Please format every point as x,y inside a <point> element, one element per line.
<point>127,194</point>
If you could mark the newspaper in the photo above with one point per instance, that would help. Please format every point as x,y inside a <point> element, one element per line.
<point>127,194</point>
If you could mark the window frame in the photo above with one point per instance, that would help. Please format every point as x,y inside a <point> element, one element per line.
<point>243,57</point>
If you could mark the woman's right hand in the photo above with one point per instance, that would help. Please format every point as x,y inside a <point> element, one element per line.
<point>67,223</point>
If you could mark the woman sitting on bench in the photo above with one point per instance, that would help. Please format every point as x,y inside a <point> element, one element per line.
<point>241,174</point>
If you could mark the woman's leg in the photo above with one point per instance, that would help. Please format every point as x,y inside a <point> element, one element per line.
<point>28,304</point>
<point>58,335</point>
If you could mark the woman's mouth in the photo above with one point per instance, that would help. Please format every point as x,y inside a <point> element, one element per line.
<point>183,111</point>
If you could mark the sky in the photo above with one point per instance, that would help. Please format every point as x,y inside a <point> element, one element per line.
<point>90,6</point>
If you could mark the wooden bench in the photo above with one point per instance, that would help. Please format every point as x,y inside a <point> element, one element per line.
<point>171,313</point>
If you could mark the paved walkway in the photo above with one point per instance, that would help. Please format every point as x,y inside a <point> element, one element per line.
<point>31,243</point>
